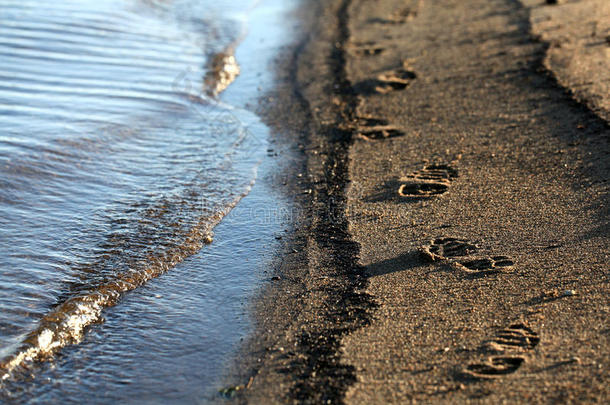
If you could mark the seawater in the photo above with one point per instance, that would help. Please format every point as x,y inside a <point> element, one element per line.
<point>119,158</point>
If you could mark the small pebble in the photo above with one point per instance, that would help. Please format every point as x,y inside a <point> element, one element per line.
<point>569,293</point>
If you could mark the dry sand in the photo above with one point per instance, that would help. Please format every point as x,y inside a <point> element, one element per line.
<point>532,186</point>
<point>424,121</point>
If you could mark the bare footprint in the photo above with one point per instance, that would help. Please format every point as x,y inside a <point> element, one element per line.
<point>431,181</point>
<point>370,128</point>
<point>395,80</point>
<point>369,48</point>
<point>397,17</point>
<point>386,82</point>
<point>494,367</point>
<point>367,51</point>
<point>381,132</point>
<point>517,337</point>
<point>513,342</point>
<point>461,255</point>
<point>487,265</point>
<point>403,15</point>
<point>435,172</point>
<point>445,248</point>
<point>371,121</point>
<point>421,190</point>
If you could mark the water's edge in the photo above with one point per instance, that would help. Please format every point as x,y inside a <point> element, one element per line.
<point>70,321</point>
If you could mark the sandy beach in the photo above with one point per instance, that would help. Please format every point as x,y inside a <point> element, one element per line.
<point>452,245</point>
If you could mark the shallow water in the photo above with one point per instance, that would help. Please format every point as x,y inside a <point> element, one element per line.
<point>116,162</point>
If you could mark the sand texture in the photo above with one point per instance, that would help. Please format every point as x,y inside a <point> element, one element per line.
<point>516,308</point>
<point>578,34</point>
<point>453,246</point>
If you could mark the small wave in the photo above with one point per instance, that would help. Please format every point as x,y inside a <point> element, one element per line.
<point>65,325</point>
<point>106,161</point>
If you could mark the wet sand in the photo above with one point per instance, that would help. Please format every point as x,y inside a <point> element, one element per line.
<point>453,242</point>
<point>578,37</point>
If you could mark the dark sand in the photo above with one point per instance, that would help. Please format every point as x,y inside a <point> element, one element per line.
<point>420,121</point>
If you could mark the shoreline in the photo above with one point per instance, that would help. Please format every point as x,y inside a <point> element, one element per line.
<point>210,286</point>
<point>299,355</point>
<point>356,314</point>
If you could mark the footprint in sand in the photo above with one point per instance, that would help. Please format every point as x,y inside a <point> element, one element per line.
<point>487,265</point>
<point>376,133</point>
<point>365,49</point>
<point>517,337</point>
<point>444,248</point>
<point>421,190</point>
<point>369,128</point>
<point>512,342</point>
<point>494,367</point>
<point>386,82</point>
<point>461,254</point>
<point>431,181</point>
<point>371,122</point>
<point>402,16</point>
<point>394,80</point>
